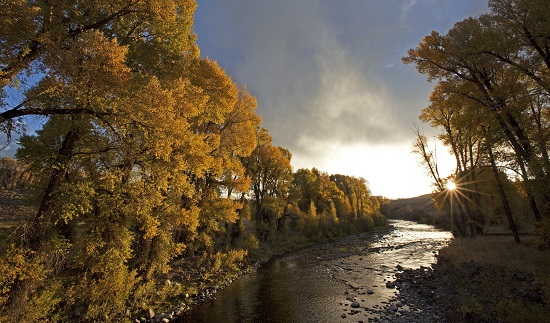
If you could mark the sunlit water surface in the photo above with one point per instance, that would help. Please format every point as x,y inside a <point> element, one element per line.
<point>318,284</point>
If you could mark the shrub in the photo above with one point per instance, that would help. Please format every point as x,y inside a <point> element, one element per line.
<point>249,242</point>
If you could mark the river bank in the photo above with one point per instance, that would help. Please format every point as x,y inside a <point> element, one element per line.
<point>347,280</point>
<point>386,276</point>
<point>489,279</point>
<point>180,308</point>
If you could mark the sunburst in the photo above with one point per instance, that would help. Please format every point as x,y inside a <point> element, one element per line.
<point>450,186</point>
<point>455,190</point>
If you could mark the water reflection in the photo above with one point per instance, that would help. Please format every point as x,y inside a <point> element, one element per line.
<point>282,290</point>
<point>320,283</point>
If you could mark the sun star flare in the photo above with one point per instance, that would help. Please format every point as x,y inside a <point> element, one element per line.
<point>451,186</point>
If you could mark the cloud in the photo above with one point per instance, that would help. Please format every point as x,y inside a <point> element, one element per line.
<point>328,73</point>
<point>408,5</point>
<point>311,84</point>
<point>347,106</point>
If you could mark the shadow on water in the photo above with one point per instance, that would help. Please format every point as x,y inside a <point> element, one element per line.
<point>321,283</point>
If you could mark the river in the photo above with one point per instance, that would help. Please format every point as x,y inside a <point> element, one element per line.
<point>321,283</point>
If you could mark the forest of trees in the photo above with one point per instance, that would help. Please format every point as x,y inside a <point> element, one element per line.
<point>149,157</point>
<point>491,103</point>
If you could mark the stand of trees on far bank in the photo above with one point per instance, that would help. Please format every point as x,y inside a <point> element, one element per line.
<point>150,165</point>
<point>491,103</point>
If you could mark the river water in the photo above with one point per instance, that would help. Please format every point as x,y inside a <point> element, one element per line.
<point>320,283</point>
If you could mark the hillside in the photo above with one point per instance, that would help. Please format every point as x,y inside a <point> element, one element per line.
<point>419,208</point>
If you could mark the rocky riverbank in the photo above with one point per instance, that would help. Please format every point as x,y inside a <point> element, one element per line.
<point>415,301</point>
<point>352,279</point>
<point>455,289</point>
<point>370,274</point>
<point>471,291</point>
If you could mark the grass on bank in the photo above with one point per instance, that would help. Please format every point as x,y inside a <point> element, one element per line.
<point>500,251</point>
<point>497,290</point>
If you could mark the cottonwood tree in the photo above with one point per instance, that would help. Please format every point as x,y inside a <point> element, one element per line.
<point>472,58</point>
<point>491,96</point>
<point>460,120</point>
<point>110,77</point>
<point>45,39</point>
<point>144,159</point>
<point>271,174</point>
<point>14,175</point>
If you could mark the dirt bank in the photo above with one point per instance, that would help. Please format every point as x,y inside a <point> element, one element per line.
<point>484,280</point>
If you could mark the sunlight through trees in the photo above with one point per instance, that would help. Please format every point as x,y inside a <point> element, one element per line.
<point>491,103</point>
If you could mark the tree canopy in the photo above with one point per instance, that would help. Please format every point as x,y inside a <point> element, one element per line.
<point>150,163</point>
<point>491,101</point>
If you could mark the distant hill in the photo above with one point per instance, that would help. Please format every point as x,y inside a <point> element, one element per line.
<point>419,208</point>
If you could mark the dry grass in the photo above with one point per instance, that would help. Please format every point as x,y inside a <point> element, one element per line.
<point>489,279</point>
<point>500,251</point>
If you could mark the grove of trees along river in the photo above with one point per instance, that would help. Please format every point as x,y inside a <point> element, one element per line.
<point>150,164</point>
<point>491,105</point>
<point>151,175</point>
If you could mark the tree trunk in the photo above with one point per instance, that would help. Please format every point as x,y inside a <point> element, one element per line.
<point>502,193</point>
<point>42,221</point>
<point>529,191</point>
<point>464,203</point>
<point>236,231</point>
<point>152,257</point>
<point>479,218</point>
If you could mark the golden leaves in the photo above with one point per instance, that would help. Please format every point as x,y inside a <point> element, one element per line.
<point>220,89</point>
<point>16,265</point>
<point>161,137</point>
<point>239,129</point>
<point>92,62</point>
<point>73,200</point>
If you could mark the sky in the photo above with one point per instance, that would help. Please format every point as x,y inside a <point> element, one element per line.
<point>329,79</point>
